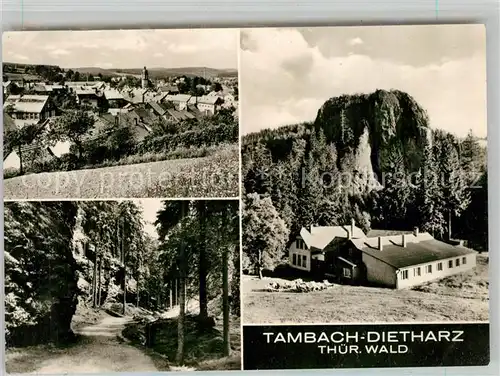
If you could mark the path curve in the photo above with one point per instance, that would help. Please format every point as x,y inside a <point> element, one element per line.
<point>100,351</point>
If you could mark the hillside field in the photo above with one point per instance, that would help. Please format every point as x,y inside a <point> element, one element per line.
<point>213,176</point>
<point>462,297</point>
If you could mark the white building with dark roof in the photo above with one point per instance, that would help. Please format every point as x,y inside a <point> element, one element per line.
<point>307,251</point>
<point>209,105</point>
<point>179,100</point>
<point>398,260</point>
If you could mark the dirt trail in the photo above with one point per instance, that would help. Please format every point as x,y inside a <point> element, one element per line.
<point>99,351</point>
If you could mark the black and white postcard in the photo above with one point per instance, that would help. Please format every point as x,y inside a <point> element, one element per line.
<point>120,113</point>
<point>122,286</point>
<point>335,218</point>
<point>365,231</point>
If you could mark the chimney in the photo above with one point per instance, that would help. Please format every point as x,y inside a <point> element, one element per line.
<point>404,240</point>
<point>415,231</point>
<point>312,226</point>
<point>380,245</point>
<point>353,224</point>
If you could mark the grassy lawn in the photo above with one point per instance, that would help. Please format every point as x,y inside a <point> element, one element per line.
<point>213,176</point>
<point>462,297</point>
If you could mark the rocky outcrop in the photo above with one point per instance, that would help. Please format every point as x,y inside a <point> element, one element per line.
<point>367,127</point>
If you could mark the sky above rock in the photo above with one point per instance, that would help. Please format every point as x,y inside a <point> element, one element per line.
<point>287,74</point>
<point>214,48</point>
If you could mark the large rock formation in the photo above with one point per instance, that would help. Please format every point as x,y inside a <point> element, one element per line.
<point>365,128</point>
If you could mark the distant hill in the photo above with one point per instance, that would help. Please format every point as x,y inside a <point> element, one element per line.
<point>162,72</point>
<point>157,72</point>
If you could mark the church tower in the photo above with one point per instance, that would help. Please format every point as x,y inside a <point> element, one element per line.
<point>144,78</point>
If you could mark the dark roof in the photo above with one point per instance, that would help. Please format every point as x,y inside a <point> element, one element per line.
<point>320,236</point>
<point>124,119</point>
<point>195,111</point>
<point>159,109</point>
<point>180,115</point>
<point>22,76</point>
<point>416,252</point>
<point>376,233</point>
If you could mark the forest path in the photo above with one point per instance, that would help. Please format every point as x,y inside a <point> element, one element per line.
<point>98,351</point>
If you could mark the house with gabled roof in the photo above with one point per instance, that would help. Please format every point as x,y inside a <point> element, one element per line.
<point>180,101</point>
<point>35,151</point>
<point>29,109</point>
<point>115,99</point>
<point>209,105</point>
<point>391,258</point>
<point>307,252</point>
<point>169,89</point>
<point>88,97</point>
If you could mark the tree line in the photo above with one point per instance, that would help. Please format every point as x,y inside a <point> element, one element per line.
<point>199,251</point>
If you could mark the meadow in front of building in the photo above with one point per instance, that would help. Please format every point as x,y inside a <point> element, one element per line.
<point>460,297</point>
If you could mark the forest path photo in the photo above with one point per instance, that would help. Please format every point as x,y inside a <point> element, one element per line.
<point>143,285</point>
<point>98,350</point>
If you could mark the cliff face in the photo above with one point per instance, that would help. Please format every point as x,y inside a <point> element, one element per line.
<point>367,128</point>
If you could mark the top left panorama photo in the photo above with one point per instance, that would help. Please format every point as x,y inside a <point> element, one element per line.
<point>120,114</point>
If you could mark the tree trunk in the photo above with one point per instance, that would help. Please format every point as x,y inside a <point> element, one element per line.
<point>182,302</point>
<point>20,159</point>
<point>180,325</point>
<point>138,285</point>
<point>170,303</point>
<point>203,267</point>
<point>99,289</point>
<point>124,290</point>
<point>80,149</point>
<point>94,282</point>
<point>259,266</point>
<point>225,302</point>
<point>449,225</point>
<point>176,292</point>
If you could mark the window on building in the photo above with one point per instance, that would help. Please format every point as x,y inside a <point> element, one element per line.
<point>428,269</point>
<point>294,259</point>
<point>440,266</point>
<point>297,243</point>
<point>304,261</point>
<point>457,262</point>
<point>464,260</point>
<point>450,264</point>
<point>404,274</point>
<point>416,272</point>
<point>347,272</point>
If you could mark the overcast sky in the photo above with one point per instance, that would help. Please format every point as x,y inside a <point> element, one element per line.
<point>149,209</point>
<point>287,74</point>
<point>213,48</point>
